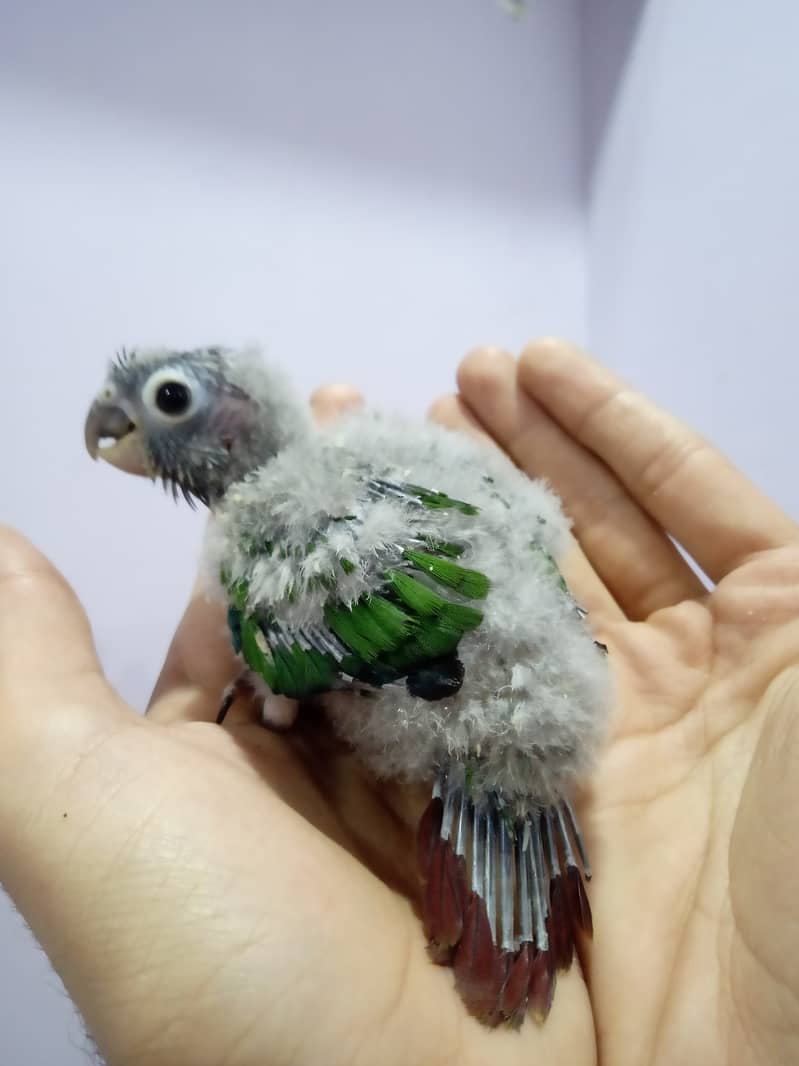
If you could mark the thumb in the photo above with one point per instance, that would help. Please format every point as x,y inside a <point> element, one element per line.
<point>58,719</point>
<point>45,640</point>
<point>54,699</point>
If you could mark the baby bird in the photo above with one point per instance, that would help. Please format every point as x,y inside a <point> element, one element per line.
<point>407,577</point>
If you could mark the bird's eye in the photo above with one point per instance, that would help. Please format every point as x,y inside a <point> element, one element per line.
<point>173,398</point>
<point>171,395</point>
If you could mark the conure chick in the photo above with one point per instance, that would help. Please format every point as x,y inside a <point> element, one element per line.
<point>406,577</point>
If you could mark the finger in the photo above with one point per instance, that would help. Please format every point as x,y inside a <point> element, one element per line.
<point>199,666</point>
<point>330,402</point>
<point>632,556</point>
<point>452,412</point>
<point>676,476</point>
<point>55,704</point>
<point>46,645</point>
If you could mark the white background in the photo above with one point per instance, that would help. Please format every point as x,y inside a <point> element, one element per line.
<point>370,188</point>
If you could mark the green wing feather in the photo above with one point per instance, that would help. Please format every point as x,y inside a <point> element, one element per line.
<point>410,620</point>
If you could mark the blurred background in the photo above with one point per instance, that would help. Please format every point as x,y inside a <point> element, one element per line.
<point>370,188</point>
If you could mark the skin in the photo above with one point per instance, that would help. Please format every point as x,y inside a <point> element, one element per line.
<point>233,896</point>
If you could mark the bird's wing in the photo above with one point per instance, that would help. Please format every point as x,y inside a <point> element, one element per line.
<point>408,625</point>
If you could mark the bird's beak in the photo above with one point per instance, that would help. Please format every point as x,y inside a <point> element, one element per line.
<point>110,434</point>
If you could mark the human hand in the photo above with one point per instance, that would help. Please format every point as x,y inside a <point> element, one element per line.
<point>209,895</point>
<point>236,896</point>
<point>692,814</point>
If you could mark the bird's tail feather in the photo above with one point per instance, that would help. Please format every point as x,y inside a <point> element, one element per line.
<point>504,897</point>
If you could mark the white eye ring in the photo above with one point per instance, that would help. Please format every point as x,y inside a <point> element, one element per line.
<point>170,395</point>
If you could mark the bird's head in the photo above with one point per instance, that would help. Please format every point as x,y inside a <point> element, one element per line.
<point>199,420</point>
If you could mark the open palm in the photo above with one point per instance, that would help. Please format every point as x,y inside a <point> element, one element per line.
<point>236,896</point>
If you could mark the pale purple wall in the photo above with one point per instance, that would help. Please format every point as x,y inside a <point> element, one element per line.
<point>155,192</point>
<point>693,216</point>
<point>368,188</point>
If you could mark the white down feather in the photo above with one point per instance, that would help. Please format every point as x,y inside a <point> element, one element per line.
<point>534,703</point>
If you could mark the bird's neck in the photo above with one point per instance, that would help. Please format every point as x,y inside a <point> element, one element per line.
<point>254,450</point>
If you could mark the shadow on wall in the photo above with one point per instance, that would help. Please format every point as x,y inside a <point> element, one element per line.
<point>609,31</point>
<point>454,92</point>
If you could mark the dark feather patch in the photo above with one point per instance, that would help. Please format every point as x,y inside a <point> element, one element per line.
<point>437,679</point>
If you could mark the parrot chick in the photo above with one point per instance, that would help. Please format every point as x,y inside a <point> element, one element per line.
<point>407,577</point>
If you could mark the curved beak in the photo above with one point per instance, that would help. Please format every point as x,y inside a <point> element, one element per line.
<point>110,434</point>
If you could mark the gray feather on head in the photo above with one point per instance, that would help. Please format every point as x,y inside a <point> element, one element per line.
<point>199,419</point>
